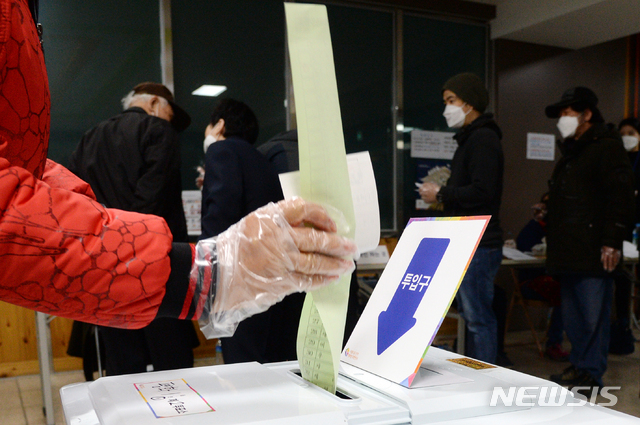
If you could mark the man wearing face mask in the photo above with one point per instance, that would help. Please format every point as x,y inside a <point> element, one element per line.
<point>590,209</point>
<point>132,162</point>
<point>622,340</point>
<point>630,131</point>
<point>474,188</point>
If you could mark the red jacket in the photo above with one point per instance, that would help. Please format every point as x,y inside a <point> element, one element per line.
<point>60,251</point>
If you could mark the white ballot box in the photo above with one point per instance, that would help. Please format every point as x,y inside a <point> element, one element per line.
<point>250,393</point>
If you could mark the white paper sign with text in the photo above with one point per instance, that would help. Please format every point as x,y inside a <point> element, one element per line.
<point>192,204</point>
<point>433,144</point>
<point>541,146</point>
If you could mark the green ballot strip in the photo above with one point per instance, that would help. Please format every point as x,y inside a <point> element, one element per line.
<point>324,178</point>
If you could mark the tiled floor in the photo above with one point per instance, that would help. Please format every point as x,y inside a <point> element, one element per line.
<point>622,371</point>
<point>21,402</point>
<point>22,398</point>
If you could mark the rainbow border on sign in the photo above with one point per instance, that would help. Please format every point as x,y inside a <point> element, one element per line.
<point>409,380</point>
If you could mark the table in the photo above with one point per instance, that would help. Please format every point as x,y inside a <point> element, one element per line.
<point>516,297</point>
<point>536,262</point>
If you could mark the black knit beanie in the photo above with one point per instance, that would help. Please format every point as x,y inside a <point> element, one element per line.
<point>470,88</point>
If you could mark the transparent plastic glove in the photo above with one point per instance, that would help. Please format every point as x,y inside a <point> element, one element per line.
<point>267,255</point>
<point>428,192</point>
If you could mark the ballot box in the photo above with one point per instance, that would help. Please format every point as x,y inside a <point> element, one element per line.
<point>251,393</point>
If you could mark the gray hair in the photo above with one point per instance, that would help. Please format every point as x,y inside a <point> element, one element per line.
<point>131,97</point>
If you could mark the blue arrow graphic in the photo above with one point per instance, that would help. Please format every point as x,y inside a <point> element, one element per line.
<point>398,318</point>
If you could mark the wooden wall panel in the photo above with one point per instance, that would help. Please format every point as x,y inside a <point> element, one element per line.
<point>17,334</point>
<point>18,344</point>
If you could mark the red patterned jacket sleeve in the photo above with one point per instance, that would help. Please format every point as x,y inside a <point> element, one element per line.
<point>61,252</point>
<point>55,175</point>
<point>25,103</point>
<point>64,254</point>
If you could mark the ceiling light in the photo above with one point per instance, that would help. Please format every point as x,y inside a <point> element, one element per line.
<point>209,90</point>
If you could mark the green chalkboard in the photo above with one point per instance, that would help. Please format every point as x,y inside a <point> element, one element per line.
<point>95,53</point>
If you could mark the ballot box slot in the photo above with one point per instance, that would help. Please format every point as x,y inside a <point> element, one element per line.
<point>340,393</point>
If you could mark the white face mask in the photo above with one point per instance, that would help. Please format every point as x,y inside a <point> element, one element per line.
<point>455,116</point>
<point>630,142</point>
<point>568,126</point>
<point>208,141</point>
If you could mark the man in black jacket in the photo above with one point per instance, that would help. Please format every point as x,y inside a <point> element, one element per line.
<point>474,188</point>
<point>132,162</point>
<point>282,151</point>
<point>590,209</point>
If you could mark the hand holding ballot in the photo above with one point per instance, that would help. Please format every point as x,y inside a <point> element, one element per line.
<point>267,255</point>
<point>428,191</point>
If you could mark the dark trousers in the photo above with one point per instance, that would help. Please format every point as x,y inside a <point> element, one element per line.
<point>266,337</point>
<point>165,343</point>
<point>271,336</point>
<point>475,299</point>
<point>586,310</point>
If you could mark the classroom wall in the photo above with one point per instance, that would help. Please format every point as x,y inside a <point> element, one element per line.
<point>530,77</point>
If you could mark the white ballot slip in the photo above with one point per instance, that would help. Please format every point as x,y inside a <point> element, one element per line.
<point>514,254</point>
<point>378,256</point>
<point>410,300</point>
<point>364,194</point>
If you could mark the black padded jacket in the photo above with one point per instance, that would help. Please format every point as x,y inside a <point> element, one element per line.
<point>591,201</point>
<point>477,169</point>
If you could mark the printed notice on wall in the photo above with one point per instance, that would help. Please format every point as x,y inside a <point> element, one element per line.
<point>192,204</point>
<point>541,146</point>
<point>432,144</point>
<point>172,398</point>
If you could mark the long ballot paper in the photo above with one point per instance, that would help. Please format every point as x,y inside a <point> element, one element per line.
<point>324,178</point>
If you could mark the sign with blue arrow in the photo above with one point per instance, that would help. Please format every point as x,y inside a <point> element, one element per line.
<point>398,318</point>
<point>412,296</point>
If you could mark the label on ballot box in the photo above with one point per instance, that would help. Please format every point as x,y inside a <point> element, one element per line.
<point>172,398</point>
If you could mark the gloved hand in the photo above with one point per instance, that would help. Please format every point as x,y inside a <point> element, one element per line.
<point>264,257</point>
<point>428,192</point>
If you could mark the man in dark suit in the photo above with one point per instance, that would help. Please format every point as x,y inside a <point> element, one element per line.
<point>238,180</point>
